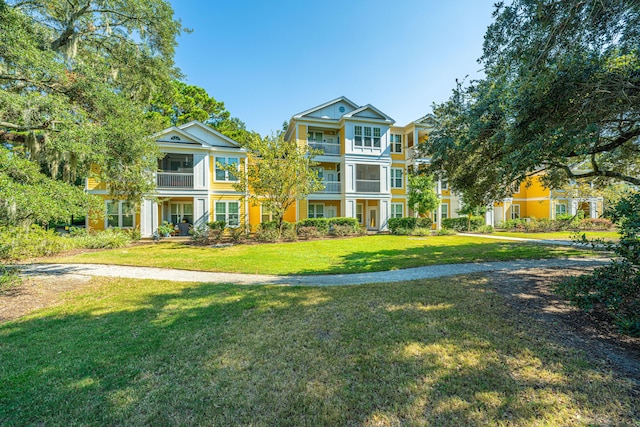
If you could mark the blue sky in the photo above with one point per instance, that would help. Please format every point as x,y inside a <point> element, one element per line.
<point>268,60</point>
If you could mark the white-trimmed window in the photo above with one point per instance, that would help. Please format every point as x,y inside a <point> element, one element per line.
<point>367,136</point>
<point>357,136</point>
<point>561,209</point>
<point>396,178</point>
<point>229,212</point>
<point>444,184</point>
<point>444,212</point>
<point>265,214</point>
<point>316,210</point>
<point>119,213</point>
<point>314,136</point>
<point>221,173</point>
<point>396,143</point>
<point>515,211</point>
<point>359,209</point>
<point>396,210</point>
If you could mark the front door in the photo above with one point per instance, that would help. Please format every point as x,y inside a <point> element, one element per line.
<point>180,212</point>
<point>372,217</point>
<point>331,212</point>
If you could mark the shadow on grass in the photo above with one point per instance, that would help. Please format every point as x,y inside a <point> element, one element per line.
<point>427,352</point>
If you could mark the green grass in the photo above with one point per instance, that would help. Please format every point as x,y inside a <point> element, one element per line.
<point>560,235</point>
<point>330,256</point>
<point>438,352</point>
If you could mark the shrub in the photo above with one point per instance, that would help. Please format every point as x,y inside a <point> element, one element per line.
<point>595,224</point>
<point>309,232</point>
<point>514,224</point>
<point>421,231</point>
<point>408,223</point>
<point>200,234</point>
<point>111,238</point>
<point>320,224</point>
<point>462,223</point>
<point>217,225</point>
<point>8,277</point>
<point>445,232</point>
<point>18,243</point>
<point>266,235</point>
<point>345,222</point>
<point>342,230</point>
<point>400,231</point>
<point>485,229</point>
<point>614,287</point>
<point>237,234</point>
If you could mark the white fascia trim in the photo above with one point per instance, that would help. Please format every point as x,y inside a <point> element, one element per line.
<point>326,104</point>
<point>181,132</point>
<point>210,130</point>
<point>352,114</point>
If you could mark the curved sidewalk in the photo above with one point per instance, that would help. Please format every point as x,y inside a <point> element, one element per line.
<point>427,272</point>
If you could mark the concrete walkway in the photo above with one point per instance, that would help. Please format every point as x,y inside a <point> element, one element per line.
<point>427,272</point>
<point>522,239</point>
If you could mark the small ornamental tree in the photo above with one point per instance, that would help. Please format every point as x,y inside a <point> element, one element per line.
<point>279,173</point>
<point>422,195</point>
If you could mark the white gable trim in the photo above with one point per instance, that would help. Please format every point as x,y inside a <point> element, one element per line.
<point>326,104</point>
<point>210,130</point>
<point>370,107</point>
<point>158,136</point>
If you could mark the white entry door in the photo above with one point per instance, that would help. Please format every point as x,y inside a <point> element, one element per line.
<point>372,218</point>
<point>331,212</point>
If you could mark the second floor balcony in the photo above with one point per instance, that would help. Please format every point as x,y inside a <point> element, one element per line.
<point>175,171</point>
<point>174,180</point>
<point>331,187</point>
<point>368,185</point>
<point>325,149</point>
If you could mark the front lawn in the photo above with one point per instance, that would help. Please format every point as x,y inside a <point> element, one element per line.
<point>329,256</point>
<point>560,235</point>
<point>430,352</point>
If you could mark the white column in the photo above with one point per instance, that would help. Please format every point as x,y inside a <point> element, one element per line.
<point>148,217</point>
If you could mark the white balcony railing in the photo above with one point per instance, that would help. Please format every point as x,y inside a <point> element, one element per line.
<point>330,187</point>
<point>174,180</point>
<point>326,149</point>
<point>368,185</point>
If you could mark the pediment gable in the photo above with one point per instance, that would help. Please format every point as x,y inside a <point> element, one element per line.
<point>332,110</point>
<point>428,120</point>
<point>208,135</point>
<point>369,112</point>
<point>178,136</point>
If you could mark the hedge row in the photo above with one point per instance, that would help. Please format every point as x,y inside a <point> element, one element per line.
<point>408,223</point>
<point>463,223</point>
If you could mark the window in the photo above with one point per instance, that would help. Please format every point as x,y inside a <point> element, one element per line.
<point>119,214</point>
<point>396,178</point>
<point>180,211</point>
<point>316,211</point>
<point>223,175</point>
<point>367,136</point>
<point>396,143</point>
<point>357,132</point>
<point>444,184</point>
<point>515,211</point>
<point>265,214</point>
<point>396,210</point>
<point>359,212</point>
<point>229,212</point>
<point>561,209</point>
<point>444,212</point>
<point>314,137</point>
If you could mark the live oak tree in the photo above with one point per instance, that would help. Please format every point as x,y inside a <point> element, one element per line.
<point>76,77</point>
<point>561,95</point>
<point>279,173</point>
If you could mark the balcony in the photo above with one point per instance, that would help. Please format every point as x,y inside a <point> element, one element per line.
<point>325,149</point>
<point>368,185</point>
<point>330,187</point>
<point>174,180</point>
